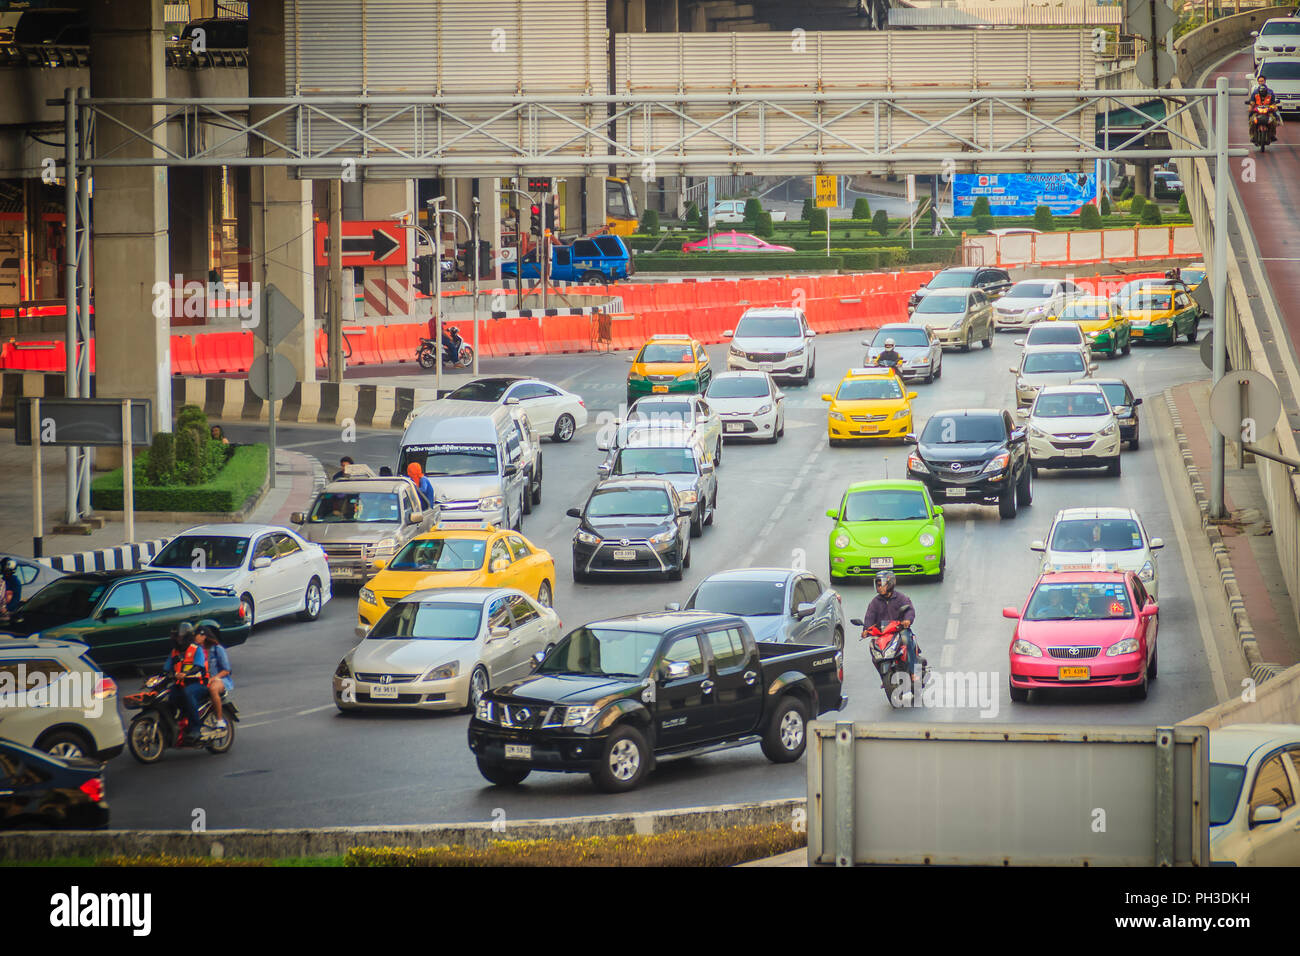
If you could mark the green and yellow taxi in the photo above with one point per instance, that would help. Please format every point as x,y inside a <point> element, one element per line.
<point>668,364</point>
<point>1107,330</point>
<point>1158,311</point>
<point>886,526</point>
<point>869,403</point>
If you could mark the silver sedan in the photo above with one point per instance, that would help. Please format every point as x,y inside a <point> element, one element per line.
<point>918,348</point>
<point>781,605</point>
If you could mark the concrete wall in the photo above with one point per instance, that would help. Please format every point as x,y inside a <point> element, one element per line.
<point>1276,701</point>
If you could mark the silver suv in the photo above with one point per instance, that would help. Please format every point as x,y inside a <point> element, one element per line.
<point>54,698</point>
<point>356,520</point>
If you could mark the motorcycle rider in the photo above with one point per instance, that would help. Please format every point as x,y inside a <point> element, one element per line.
<point>889,605</point>
<point>189,664</point>
<point>890,356</point>
<point>219,675</point>
<point>448,343</point>
<point>1262,95</point>
<point>13,587</point>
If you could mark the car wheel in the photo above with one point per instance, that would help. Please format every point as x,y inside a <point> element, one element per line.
<point>593,277</point>
<point>246,600</point>
<point>1025,488</point>
<point>686,561</point>
<point>787,731</point>
<point>537,493</point>
<point>502,775</point>
<point>478,686</point>
<point>544,594</point>
<point>943,566</point>
<point>526,502</point>
<point>144,738</point>
<point>1019,695</point>
<point>713,510</point>
<point>987,341</point>
<point>780,430</point>
<point>1033,469</point>
<point>625,761</point>
<point>64,743</point>
<point>1007,504</point>
<point>564,428</point>
<point>1113,468</point>
<point>697,521</point>
<point>717,454</point>
<point>938,371</point>
<point>1191,333</point>
<point>1128,345</point>
<point>1133,442</point>
<point>929,378</point>
<point>311,603</point>
<point>966,345</point>
<point>837,639</point>
<point>1139,691</point>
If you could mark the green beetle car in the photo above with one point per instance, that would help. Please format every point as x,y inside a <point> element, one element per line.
<point>886,526</point>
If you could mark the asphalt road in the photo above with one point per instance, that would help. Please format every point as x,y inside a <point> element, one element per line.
<point>297,762</point>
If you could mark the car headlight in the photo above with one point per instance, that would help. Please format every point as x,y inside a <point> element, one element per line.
<point>914,463</point>
<point>386,544</point>
<point>445,672</point>
<point>664,537</point>
<point>635,377</point>
<point>1148,572</point>
<point>793,352</point>
<point>571,716</point>
<point>343,670</point>
<point>1127,646</point>
<point>902,413</point>
<point>764,410</point>
<point>926,540</point>
<point>1037,432</point>
<point>483,710</point>
<point>1025,649</point>
<point>998,463</point>
<point>406,423</point>
<point>683,376</point>
<point>841,540</point>
<point>836,416</point>
<point>1107,431</point>
<point>367,596</point>
<point>491,503</point>
<point>689,497</point>
<point>958,324</point>
<point>738,353</point>
<point>586,538</point>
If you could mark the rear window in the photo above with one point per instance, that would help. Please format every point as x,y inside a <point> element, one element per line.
<point>952,280</point>
<point>1050,333</point>
<point>610,245</point>
<point>748,386</point>
<point>1097,534</point>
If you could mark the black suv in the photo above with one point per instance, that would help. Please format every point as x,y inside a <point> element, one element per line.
<point>632,526</point>
<point>976,455</point>
<point>992,282</point>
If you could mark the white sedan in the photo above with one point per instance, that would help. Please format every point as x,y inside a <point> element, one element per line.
<point>749,404</point>
<point>272,570</point>
<point>1073,426</point>
<point>441,649</point>
<point>1255,795</point>
<point>552,410</point>
<point>1095,539</point>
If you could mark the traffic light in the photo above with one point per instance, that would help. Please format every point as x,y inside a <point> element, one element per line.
<point>550,217</point>
<point>540,185</point>
<point>536,227</point>
<point>423,274</point>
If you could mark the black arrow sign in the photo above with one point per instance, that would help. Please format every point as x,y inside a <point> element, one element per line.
<point>378,245</point>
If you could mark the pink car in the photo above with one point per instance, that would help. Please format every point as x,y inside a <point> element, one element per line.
<point>1084,629</point>
<point>732,242</point>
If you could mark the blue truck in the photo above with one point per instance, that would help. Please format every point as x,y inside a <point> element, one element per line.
<point>591,259</point>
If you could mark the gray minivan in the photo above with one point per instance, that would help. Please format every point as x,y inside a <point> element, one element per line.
<point>474,458</point>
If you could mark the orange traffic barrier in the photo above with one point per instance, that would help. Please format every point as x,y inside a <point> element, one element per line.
<point>566,333</point>
<point>184,361</point>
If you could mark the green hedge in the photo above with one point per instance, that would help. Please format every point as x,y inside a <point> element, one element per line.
<point>740,262</point>
<point>242,477</point>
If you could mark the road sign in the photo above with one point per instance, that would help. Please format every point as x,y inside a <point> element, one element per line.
<point>1157,74</point>
<point>279,316</point>
<point>1207,353</point>
<point>1245,406</point>
<point>379,242</point>
<point>84,421</point>
<point>828,192</point>
<point>282,381</point>
<point>1150,18</point>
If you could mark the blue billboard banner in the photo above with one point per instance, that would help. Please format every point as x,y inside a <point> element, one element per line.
<point>1019,194</point>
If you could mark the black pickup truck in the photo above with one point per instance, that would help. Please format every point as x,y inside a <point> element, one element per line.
<point>615,697</point>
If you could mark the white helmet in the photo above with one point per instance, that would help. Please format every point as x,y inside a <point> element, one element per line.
<point>889,343</point>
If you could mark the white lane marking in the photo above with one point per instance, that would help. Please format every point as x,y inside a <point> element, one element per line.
<point>275,720</point>
<point>946,655</point>
<point>314,710</point>
<point>950,634</point>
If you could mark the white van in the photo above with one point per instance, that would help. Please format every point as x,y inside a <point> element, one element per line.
<point>1283,78</point>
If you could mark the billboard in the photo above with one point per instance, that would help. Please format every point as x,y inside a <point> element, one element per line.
<point>1019,194</point>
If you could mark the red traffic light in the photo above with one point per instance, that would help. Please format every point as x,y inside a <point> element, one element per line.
<point>535,209</point>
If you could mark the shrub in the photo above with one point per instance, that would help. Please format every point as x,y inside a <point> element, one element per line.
<point>764,227</point>
<point>1151,215</point>
<point>861,208</point>
<point>753,209</point>
<point>693,215</point>
<point>1136,206</point>
<point>880,222</point>
<point>1043,219</point>
<point>1182,205</point>
<point>162,459</point>
<point>1105,204</point>
<point>981,207</point>
<point>1090,217</point>
<point>983,222</point>
<point>819,222</point>
<point>806,213</point>
<point>242,476</point>
<point>650,222</point>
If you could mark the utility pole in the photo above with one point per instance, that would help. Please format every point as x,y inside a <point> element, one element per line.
<point>335,327</point>
<point>1219,281</point>
<point>474,291</point>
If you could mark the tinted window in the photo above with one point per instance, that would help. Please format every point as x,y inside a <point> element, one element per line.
<point>743,598</point>
<point>1050,333</point>
<point>66,599</point>
<point>205,551</point>
<point>1092,534</point>
<point>1079,601</point>
<point>164,595</point>
<point>686,650</point>
<point>285,545</point>
<point>806,591</point>
<point>586,248</point>
<point>484,390</point>
<point>429,621</point>
<point>944,429</point>
<point>629,503</point>
<point>1117,394</point>
<point>610,246</point>
<point>885,506</point>
<point>1040,362</point>
<point>728,648</point>
<point>126,599</point>
<point>602,651</point>
<point>1281,27</point>
<point>522,610</point>
<point>952,279</point>
<point>517,547</point>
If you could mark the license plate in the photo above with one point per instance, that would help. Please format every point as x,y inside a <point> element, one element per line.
<point>868,430</point>
<point>882,562</point>
<point>384,691</point>
<point>628,555</point>
<point>1072,673</point>
<point>955,492</point>
<point>659,388</point>
<point>1074,453</point>
<point>1137,332</point>
<point>519,752</point>
<point>734,426</point>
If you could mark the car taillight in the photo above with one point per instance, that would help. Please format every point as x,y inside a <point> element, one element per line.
<point>242,611</point>
<point>582,403</point>
<point>93,788</point>
<point>105,687</point>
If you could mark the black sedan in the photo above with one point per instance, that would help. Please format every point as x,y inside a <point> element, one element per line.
<point>40,790</point>
<point>1125,406</point>
<point>632,526</point>
<point>126,617</point>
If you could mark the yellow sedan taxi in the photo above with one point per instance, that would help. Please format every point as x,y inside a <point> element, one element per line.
<point>869,403</point>
<point>486,557</point>
<point>1105,328</point>
<point>1158,312</point>
<point>668,365</point>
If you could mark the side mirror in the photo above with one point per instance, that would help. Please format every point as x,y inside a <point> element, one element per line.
<point>538,658</point>
<point>415,517</point>
<point>496,633</point>
<point>602,444</point>
<point>1157,544</point>
<point>499,565</point>
<point>1092,366</point>
<point>108,613</point>
<point>707,468</point>
<point>1017,435</point>
<point>298,517</point>
<point>262,562</point>
<point>631,359</point>
<point>512,400</point>
<point>832,513</point>
<point>511,471</point>
<point>866,343</point>
<point>1020,342</point>
<point>674,670</point>
<point>603,469</point>
<point>574,513</point>
<point>1037,546</point>
<point>910,438</point>
<point>804,610</point>
<point>827,397</point>
<point>1013,370</point>
<point>684,511</point>
<point>729,333</point>
<point>380,564</point>
<point>855,621</point>
<point>812,333</point>
<point>1010,612</point>
<point>1021,413</point>
<point>938,509</point>
<point>1266,814</point>
<point>1136,401</point>
<point>1151,610</point>
<point>911,395</point>
<point>672,606</point>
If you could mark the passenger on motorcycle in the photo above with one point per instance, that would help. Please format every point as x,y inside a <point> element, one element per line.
<point>190,665</point>
<point>888,605</point>
<point>219,675</point>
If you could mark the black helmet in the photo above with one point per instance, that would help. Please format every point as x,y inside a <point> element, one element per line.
<point>887,579</point>
<point>8,566</point>
<point>183,632</point>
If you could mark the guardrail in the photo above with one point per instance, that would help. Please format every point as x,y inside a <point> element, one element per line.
<point>1081,247</point>
<point>1256,337</point>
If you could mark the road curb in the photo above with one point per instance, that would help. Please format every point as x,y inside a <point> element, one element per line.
<point>335,841</point>
<point>1260,671</point>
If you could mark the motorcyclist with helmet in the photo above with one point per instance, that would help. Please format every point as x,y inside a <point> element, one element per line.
<point>1262,95</point>
<point>13,588</point>
<point>888,605</point>
<point>189,663</point>
<point>890,357</point>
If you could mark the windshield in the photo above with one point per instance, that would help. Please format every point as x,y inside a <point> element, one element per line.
<point>1070,405</point>
<point>769,327</point>
<point>941,303</point>
<point>602,651</point>
<point>629,503</point>
<point>440,554</point>
<point>1225,788</point>
<point>946,429</point>
<point>1281,27</point>
<point>428,621</point>
<point>1032,290</point>
<point>334,507</point>
<point>903,338</point>
<point>951,280</point>
<point>655,461</point>
<point>744,598</point>
<point>1097,534</point>
<point>745,386</point>
<point>202,552</point>
<point>484,390</point>
<point>885,506</point>
<point>1040,362</point>
<point>1051,333</point>
<point>1116,394</point>
<point>1079,601</point>
<point>1085,312</point>
<point>451,460</point>
<point>1151,301</point>
<point>857,389</point>
<point>675,354</point>
<point>67,598</point>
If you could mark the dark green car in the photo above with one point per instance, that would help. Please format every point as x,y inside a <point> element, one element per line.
<point>126,617</point>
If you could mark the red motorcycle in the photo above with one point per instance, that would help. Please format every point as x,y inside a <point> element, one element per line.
<point>160,724</point>
<point>889,657</point>
<point>1263,124</point>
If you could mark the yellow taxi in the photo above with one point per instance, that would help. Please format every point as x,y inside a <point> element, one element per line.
<point>486,557</point>
<point>1158,311</point>
<point>869,403</point>
<point>668,364</point>
<point>1106,329</point>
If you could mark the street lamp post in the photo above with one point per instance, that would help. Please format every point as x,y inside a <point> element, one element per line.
<point>437,283</point>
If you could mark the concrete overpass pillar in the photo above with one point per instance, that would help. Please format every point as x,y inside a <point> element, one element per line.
<point>190,220</point>
<point>281,237</point>
<point>132,358</point>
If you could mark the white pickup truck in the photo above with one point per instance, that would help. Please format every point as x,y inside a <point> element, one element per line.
<point>733,210</point>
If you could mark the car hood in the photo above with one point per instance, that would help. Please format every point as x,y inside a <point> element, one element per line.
<point>1079,425</point>
<point>211,578</point>
<point>1051,378</point>
<point>742,406</point>
<point>398,656</point>
<point>624,527</point>
<point>348,532</point>
<point>566,688</point>
<point>783,344</point>
<point>1065,633</point>
<point>398,584</point>
<point>966,451</point>
<point>938,320</point>
<point>468,488</point>
<point>1092,325</point>
<point>868,534</point>
<point>1008,304</point>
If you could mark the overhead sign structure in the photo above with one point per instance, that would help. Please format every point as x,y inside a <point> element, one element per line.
<point>827,192</point>
<point>1019,194</point>
<point>366,242</point>
<point>78,422</point>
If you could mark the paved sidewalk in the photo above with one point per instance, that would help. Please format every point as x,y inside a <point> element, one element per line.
<point>1248,536</point>
<point>296,478</point>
